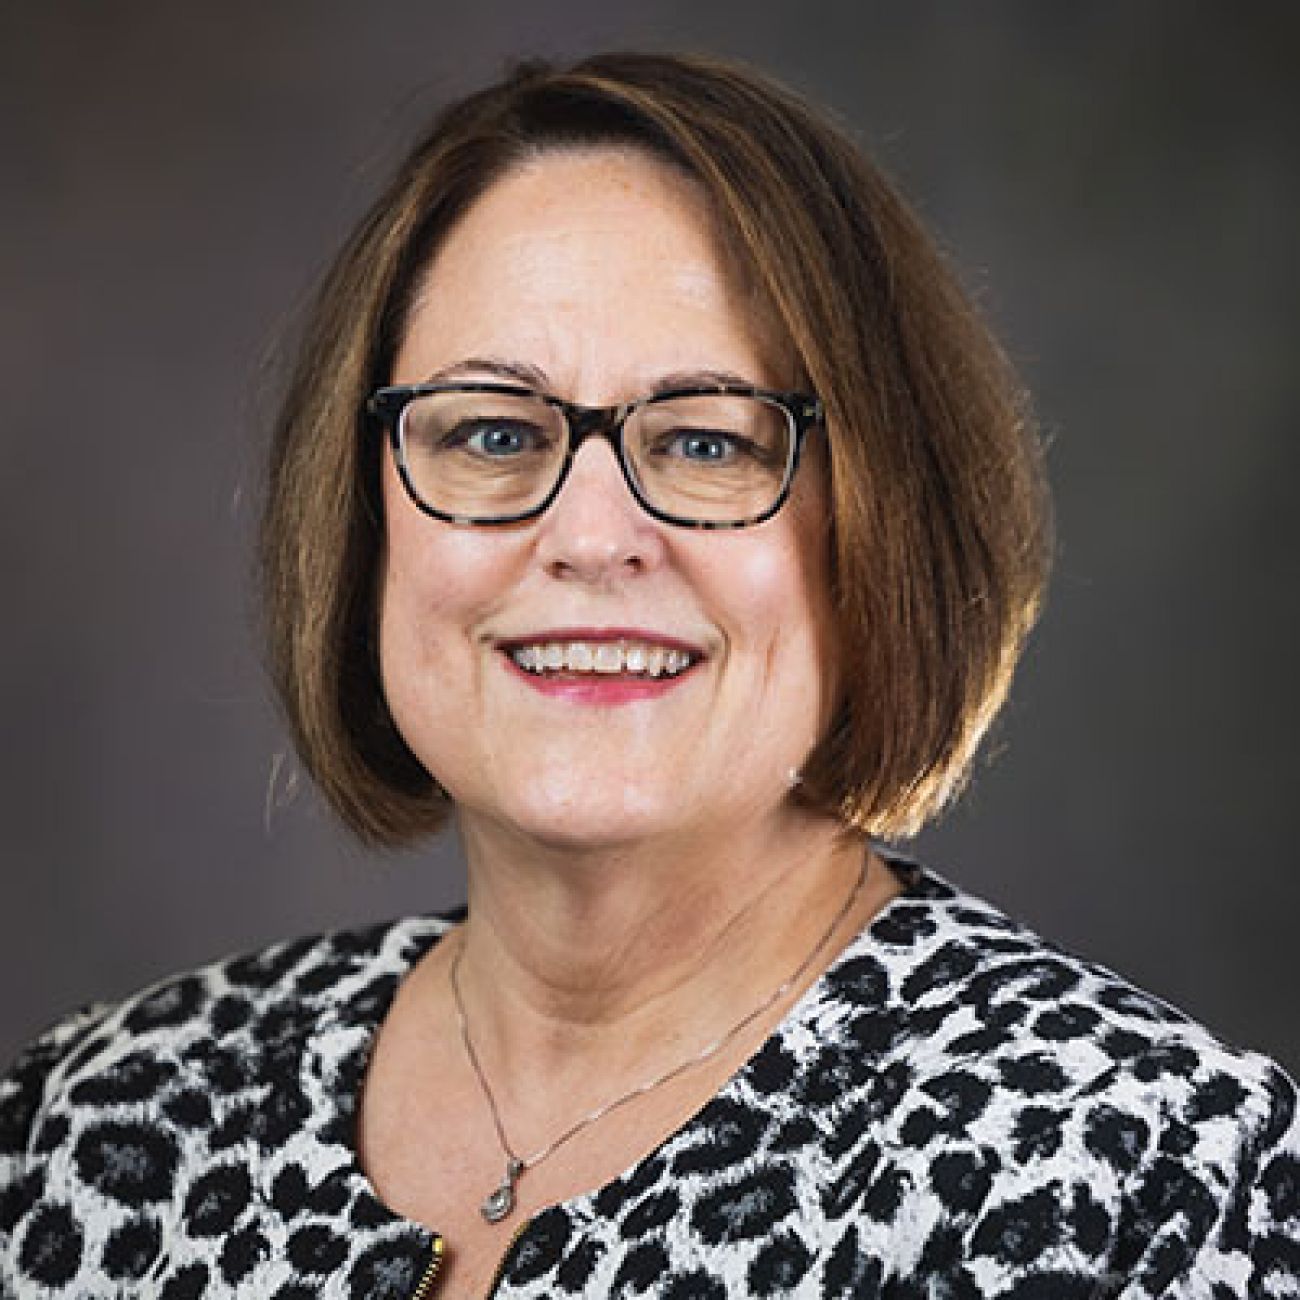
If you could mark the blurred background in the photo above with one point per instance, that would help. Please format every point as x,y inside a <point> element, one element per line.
<point>1118,185</point>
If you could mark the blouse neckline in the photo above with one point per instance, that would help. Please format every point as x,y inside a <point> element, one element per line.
<point>420,933</point>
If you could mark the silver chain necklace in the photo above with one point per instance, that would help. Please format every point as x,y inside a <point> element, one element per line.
<point>500,1203</point>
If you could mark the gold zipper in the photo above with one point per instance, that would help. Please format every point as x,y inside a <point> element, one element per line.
<point>425,1287</point>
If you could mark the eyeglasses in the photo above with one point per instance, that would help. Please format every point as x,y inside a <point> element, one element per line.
<point>715,456</point>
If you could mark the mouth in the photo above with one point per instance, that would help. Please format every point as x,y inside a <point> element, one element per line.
<point>626,657</point>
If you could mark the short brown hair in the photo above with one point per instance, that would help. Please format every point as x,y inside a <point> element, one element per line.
<point>940,539</point>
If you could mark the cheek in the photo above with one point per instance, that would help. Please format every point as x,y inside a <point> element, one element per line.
<point>788,611</point>
<point>433,582</point>
<point>780,607</point>
<point>408,593</point>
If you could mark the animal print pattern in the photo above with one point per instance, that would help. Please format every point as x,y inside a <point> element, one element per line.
<point>955,1109</point>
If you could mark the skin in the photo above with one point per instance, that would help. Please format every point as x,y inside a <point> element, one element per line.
<point>639,878</point>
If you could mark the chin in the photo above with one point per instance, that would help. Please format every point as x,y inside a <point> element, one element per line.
<point>578,820</point>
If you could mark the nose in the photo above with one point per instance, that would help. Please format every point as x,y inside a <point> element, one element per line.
<point>595,531</point>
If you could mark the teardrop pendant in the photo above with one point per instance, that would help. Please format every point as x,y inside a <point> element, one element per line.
<point>501,1203</point>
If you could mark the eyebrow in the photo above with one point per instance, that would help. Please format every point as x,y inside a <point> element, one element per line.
<point>701,379</point>
<point>534,377</point>
<point>519,371</point>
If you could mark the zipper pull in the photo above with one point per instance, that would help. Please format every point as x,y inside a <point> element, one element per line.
<point>424,1288</point>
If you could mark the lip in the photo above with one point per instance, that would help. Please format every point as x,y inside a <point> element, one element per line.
<point>593,688</point>
<point>599,634</point>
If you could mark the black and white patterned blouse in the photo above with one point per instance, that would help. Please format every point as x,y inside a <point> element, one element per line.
<point>955,1109</point>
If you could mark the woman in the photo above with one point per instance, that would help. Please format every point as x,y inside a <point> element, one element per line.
<point>649,500</point>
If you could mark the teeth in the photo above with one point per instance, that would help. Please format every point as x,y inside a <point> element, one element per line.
<point>606,657</point>
<point>609,658</point>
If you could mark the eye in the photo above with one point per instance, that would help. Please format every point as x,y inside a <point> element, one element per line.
<point>704,445</point>
<point>496,439</point>
<point>701,447</point>
<point>705,449</point>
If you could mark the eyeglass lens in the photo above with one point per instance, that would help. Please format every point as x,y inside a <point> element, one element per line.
<point>709,458</point>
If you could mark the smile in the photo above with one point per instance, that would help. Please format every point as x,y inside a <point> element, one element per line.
<point>601,658</point>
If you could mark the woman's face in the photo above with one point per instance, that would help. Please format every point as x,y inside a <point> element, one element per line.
<point>597,272</point>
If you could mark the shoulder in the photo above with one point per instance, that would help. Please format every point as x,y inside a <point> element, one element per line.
<point>1059,1112</point>
<point>973,990</point>
<point>254,996</point>
<point>136,1138</point>
<point>977,983</point>
<point>196,1036</point>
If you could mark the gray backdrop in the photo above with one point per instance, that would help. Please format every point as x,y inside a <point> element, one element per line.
<point>1117,182</point>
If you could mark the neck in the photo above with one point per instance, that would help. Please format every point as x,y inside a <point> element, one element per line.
<point>608,960</point>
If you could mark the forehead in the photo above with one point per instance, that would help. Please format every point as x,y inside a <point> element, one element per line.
<point>588,190</point>
<point>590,250</point>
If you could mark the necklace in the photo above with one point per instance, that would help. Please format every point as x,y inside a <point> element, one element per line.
<point>500,1203</point>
